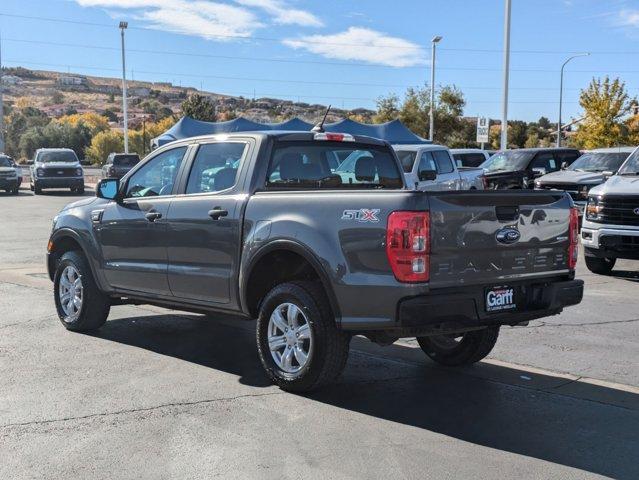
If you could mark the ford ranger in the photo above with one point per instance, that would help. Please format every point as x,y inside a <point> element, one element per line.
<point>611,222</point>
<point>258,225</point>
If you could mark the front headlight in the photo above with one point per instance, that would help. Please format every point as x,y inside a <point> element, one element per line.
<point>78,172</point>
<point>593,209</point>
<point>40,172</point>
<point>537,184</point>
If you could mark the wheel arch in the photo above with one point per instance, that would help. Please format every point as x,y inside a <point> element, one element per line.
<point>285,247</point>
<point>62,241</point>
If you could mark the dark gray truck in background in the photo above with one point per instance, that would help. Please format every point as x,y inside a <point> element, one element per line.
<point>259,225</point>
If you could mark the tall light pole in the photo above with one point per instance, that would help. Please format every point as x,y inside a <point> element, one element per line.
<point>1,102</point>
<point>123,27</point>
<point>561,94</point>
<point>504,106</point>
<point>431,129</point>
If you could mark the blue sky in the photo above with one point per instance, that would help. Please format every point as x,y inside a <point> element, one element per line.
<point>343,52</point>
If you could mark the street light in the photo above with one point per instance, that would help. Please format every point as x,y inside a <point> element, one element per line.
<point>431,130</point>
<point>504,105</point>
<point>561,93</point>
<point>123,27</point>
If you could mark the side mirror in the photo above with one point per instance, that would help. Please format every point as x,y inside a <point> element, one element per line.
<point>608,173</point>
<point>538,172</point>
<point>108,189</point>
<point>564,165</point>
<point>427,175</point>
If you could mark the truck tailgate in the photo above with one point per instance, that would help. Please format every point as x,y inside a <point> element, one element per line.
<point>489,237</point>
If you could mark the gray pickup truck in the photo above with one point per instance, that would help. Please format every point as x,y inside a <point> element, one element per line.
<point>258,225</point>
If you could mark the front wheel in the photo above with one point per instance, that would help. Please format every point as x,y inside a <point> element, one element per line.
<point>456,350</point>
<point>600,266</point>
<point>81,306</point>
<point>298,341</point>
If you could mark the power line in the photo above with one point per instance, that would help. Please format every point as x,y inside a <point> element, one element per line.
<point>240,78</point>
<point>337,44</point>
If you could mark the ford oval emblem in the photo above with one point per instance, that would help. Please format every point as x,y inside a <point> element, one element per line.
<point>508,235</point>
<point>636,211</point>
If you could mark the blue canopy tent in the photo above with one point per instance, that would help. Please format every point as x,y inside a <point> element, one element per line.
<point>394,132</point>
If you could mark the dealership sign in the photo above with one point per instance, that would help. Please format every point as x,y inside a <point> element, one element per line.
<point>483,130</point>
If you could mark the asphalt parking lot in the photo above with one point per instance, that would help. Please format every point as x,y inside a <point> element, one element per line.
<point>162,394</point>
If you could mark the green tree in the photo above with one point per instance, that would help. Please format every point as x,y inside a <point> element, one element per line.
<point>198,107</point>
<point>414,110</point>
<point>56,135</point>
<point>605,103</point>
<point>387,109</point>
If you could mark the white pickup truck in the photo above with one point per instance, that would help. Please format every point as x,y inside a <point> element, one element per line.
<point>431,167</point>
<point>610,227</point>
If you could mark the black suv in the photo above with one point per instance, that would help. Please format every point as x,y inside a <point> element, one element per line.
<point>518,168</point>
<point>119,164</point>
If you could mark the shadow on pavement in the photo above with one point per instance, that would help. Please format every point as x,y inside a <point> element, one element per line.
<point>633,276</point>
<point>478,404</point>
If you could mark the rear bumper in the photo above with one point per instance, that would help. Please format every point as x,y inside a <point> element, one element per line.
<point>459,309</point>
<point>62,182</point>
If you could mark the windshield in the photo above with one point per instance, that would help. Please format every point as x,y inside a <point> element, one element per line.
<point>599,162</point>
<point>407,159</point>
<point>631,166</point>
<point>57,156</point>
<point>5,162</point>
<point>507,161</point>
<point>307,165</point>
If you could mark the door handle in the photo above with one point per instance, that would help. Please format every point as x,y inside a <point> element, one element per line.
<point>153,216</point>
<point>218,212</point>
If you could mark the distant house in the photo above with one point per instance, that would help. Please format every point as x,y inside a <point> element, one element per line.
<point>139,92</point>
<point>68,80</point>
<point>11,80</point>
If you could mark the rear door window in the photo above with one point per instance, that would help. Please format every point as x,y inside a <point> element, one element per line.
<point>443,161</point>
<point>545,161</point>
<point>215,167</point>
<point>469,159</point>
<point>307,165</point>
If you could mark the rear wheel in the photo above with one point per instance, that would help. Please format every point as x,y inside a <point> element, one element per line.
<point>456,350</point>
<point>37,190</point>
<point>298,342</point>
<point>600,266</point>
<point>81,306</point>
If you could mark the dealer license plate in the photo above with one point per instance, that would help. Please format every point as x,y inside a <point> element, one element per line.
<point>501,299</point>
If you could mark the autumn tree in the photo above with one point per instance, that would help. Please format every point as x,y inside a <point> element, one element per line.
<point>605,103</point>
<point>103,144</point>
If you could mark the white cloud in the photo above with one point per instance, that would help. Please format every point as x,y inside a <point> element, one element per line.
<point>362,44</point>
<point>282,13</point>
<point>202,18</point>
<point>628,18</point>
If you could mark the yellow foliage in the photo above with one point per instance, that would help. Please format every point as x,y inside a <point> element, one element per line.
<point>96,123</point>
<point>104,143</point>
<point>24,102</point>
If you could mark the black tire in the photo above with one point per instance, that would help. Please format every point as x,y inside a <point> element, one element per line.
<point>16,191</point>
<point>600,266</point>
<point>471,348</point>
<point>37,190</point>
<point>329,352</point>
<point>81,190</point>
<point>95,305</point>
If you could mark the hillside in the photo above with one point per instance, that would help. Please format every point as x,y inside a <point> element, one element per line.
<point>58,93</point>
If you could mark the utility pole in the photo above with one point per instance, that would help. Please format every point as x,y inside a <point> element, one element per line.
<point>504,107</point>
<point>123,27</point>
<point>431,129</point>
<point>561,94</point>
<point>1,102</point>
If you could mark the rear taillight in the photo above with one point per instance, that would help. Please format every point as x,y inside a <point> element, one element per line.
<point>573,246</point>
<point>408,245</point>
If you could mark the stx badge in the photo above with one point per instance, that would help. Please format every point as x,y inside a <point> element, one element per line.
<point>362,215</point>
